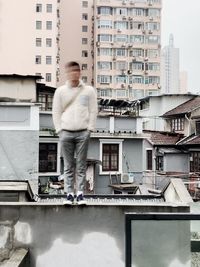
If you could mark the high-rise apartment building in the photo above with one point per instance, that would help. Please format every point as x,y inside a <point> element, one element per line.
<point>76,34</point>
<point>29,36</point>
<point>170,68</point>
<point>127,48</point>
<point>117,43</point>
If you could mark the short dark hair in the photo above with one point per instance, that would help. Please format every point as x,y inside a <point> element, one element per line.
<point>72,64</point>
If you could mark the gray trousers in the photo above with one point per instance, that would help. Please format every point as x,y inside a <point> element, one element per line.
<point>74,143</point>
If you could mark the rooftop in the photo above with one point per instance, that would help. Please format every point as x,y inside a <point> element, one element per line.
<point>184,108</point>
<point>191,140</point>
<point>164,138</point>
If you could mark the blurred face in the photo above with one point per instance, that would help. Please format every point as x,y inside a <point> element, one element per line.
<point>73,74</point>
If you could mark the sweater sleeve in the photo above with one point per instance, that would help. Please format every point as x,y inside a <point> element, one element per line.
<point>93,109</point>
<point>57,111</point>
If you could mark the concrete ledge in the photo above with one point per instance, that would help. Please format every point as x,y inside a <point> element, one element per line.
<point>17,259</point>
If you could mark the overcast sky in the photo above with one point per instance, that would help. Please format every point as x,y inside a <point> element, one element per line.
<point>182,18</point>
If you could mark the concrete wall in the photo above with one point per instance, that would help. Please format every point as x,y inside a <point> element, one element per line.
<point>72,236</point>
<point>19,88</point>
<point>19,153</point>
<point>176,163</point>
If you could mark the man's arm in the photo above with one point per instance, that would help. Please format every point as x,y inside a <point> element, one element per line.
<point>57,111</point>
<point>93,109</point>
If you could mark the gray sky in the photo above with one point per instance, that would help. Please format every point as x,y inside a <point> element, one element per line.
<point>182,18</point>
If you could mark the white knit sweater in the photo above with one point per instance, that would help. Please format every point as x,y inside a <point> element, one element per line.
<point>81,114</point>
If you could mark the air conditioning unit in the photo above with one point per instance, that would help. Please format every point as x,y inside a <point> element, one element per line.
<point>150,32</point>
<point>144,32</point>
<point>130,86</point>
<point>112,43</point>
<point>146,59</point>
<point>130,45</point>
<point>130,18</point>
<point>122,85</point>
<point>151,18</point>
<point>124,17</point>
<point>146,72</point>
<point>134,59</point>
<point>123,45</point>
<point>98,43</point>
<point>127,178</point>
<point>123,2</point>
<point>98,17</point>
<point>119,30</point>
<point>132,2</point>
<point>114,58</point>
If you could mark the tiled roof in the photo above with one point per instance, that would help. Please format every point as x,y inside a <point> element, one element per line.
<point>191,140</point>
<point>165,138</point>
<point>184,108</point>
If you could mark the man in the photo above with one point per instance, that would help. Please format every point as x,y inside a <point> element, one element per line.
<point>74,117</point>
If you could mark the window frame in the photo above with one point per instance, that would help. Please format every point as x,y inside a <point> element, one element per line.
<point>46,77</point>
<point>147,159</point>
<point>38,8</point>
<point>49,6</point>
<point>49,22</point>
<point>51,141</point>
<point>111,141</point>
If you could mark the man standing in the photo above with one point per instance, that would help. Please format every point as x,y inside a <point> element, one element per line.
<point>74,117</point>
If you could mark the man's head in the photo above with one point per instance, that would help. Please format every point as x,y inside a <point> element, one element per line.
<point>73,72</point>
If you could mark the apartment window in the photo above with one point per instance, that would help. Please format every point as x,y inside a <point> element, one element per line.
<point>152,53</point>
<point>48,60</point>
<point>105,24</point>
<point>104,10</point>
<point>84,66</point>
<point>38,60</point>
<point>48,42</point>
<point>49,25</point>
<point>121,25</point>
<point>105,38</point>
<point>104,51</point>
<point>121,65</point>
<point>137,25</point>
<point>121,79</point>
<point>49,8</point>
<point>84,78</point>
<point>152,80</point>
<point>138,12</point>
<point>195,162</point>
<point>84,53</point>
<point>139,39</point>
<point>121,38</point>
<point>177,124</point>
<point>104,65</point>
<point>84,16</point>
<point>38,8</point>
<point>137,53</point>
<point>48,77</point>
<point>149,157</point>
<point>152,39</point>
<point>159,163</point>
<point>104,79</point>
<point>46,100</point>
<point>121,93</point>
<point>110,157</point>
<point>121,52</point>
<point>85,4</point>
<point>84,28</point>
<point>48,157</point>
<point>105,93</point>
<point>122,11</point>
<point>153,26</point>
<point>136,79</point>
<point>84,41</point>
<point>153,12</point>
<point>38,42</point>
<point>137,66</point>
<point>153,66</point>
<point>38,25</point>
